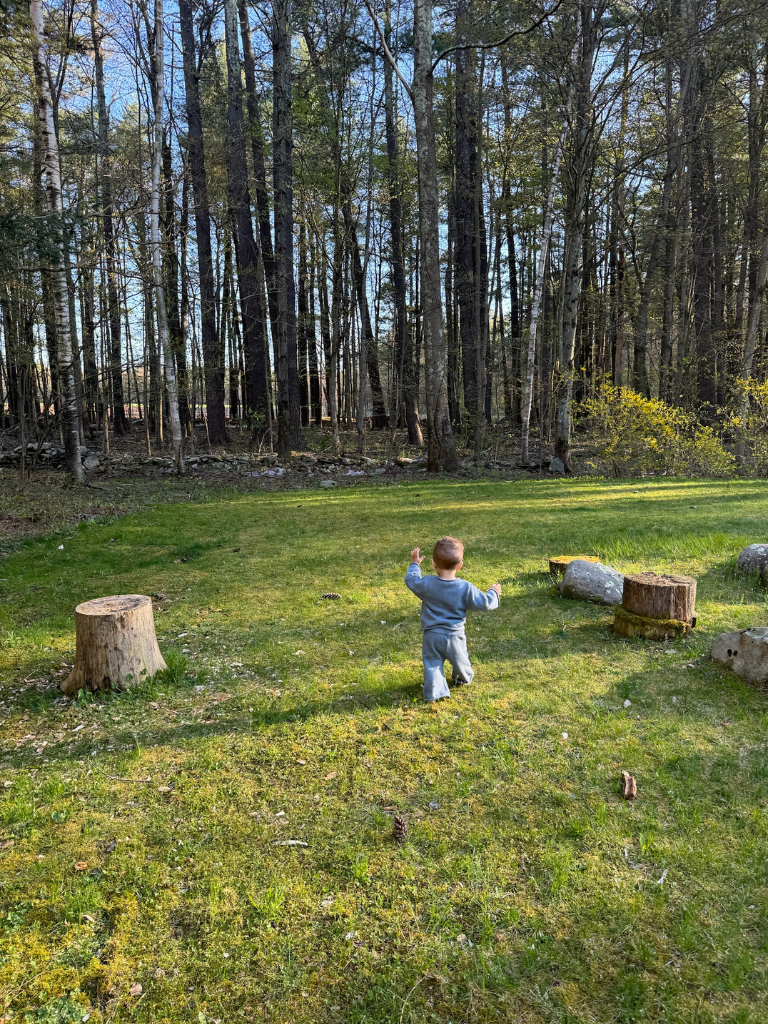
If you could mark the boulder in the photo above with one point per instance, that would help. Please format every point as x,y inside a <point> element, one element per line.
<point>592,581</point>
<point>328,483</point>
<point>745,652</point>
<point>91,462</point>
<point>754,556</point>
<point>557,466</point>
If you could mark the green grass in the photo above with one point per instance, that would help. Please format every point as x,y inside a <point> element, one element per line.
<point>527,890</point>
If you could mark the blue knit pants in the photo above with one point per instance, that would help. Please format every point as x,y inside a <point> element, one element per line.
<point>437,647</point>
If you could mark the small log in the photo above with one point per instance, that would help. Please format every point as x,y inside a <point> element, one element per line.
<point>116,644</point>
<point>628,786</point>
<point>559,564</point>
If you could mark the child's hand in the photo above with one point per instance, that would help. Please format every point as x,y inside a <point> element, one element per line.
<point>496,588</point>
<point>416,557</point>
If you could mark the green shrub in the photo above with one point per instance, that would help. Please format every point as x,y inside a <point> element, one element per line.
<point>637,435</point>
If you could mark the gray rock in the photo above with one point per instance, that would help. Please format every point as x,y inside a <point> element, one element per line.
<point>328,483</point>
<point>753,557</point>
<point>91,462</point>
<point>745,652</point>
<point>592,581</point>
<point>557,466</point>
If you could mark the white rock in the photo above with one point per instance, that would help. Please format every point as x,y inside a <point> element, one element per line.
<point>754,556</point>
<point>592,581</point>
<point>745,651</point>
<point>328,483</point>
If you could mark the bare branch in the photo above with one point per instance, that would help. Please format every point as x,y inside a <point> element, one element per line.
<point>499,42</point>
<point>388,52</point>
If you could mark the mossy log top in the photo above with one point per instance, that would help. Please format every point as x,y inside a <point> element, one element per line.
<point>630,625</point>
<point>560,563</point>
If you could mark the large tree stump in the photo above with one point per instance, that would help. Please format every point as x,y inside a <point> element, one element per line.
<point>656,607</point>
<point>559,563</point>
<point>116,644</point>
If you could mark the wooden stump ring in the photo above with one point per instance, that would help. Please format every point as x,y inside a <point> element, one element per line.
<point>116,644</point>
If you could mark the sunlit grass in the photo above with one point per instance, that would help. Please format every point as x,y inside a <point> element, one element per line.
<point>526,891</point>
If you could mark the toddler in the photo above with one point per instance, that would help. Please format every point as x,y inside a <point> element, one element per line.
<point>444,604</point>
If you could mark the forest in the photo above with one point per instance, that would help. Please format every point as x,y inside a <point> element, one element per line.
<point>379,217</point>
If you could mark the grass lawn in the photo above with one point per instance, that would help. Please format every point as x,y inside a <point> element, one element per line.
<point>145,871</point>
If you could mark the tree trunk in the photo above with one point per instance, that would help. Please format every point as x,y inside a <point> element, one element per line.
<point>302,325</point>
<point>465,212</point>
<point>753,326</point>
<point>403,353</point>
<point>246,252</point>
<point>52,169</point>
<point>371,360</point>
<point>163,335</point>
<point>538,292</point>
<point>288,416</point>
<point>213,348</point>
<point>579,174</point>
<point>441,452</point>
<point>120,423</point>
<point>315,390</point>
<point>116,644</point>
<point>259,170</point>
<point>171,274</point>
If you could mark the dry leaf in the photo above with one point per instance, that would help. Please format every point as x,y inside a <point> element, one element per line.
<point>136,989</point>
<point>81,865</point>
<point>163,789</point>
<point>300,761</point>
<point>331,775</point>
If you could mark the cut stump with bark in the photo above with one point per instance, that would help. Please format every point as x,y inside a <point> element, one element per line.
<point>560,563</point>
<point>116,644</point>
<point>656,607</point>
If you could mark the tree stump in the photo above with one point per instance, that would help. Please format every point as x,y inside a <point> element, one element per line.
<point>559,564</point>
<point>116,644</point>
<point>656,607</point>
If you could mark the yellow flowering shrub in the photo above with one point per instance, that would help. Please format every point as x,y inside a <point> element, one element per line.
<point>637,435</point>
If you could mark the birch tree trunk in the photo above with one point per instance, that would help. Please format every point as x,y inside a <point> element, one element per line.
<point>163,334</point>
<point>57,277</point>
<point>441,452</point>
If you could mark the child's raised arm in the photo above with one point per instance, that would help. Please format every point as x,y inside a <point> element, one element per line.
<point>485,602</point>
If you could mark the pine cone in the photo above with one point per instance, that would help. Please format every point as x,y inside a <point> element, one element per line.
<point>399,828</point>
